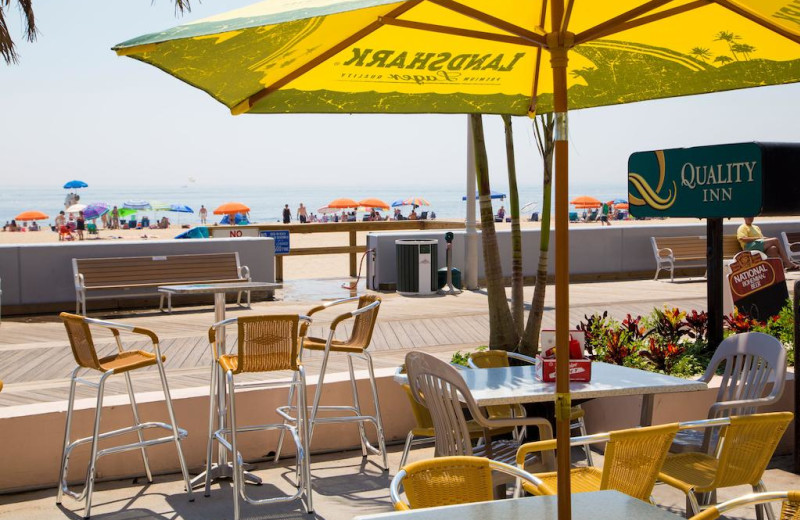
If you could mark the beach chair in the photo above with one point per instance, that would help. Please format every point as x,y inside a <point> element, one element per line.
<point>65,233</point>
<point>91,228</point>
<point>573,216</point>
<point>592,216</point>
<point>423,215</point>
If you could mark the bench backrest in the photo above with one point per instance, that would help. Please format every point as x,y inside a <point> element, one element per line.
<point>695,246</point>
<point>157,269</point>
<point>793,237</point>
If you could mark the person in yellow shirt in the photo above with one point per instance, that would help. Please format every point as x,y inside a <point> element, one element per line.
<point>751,239</point>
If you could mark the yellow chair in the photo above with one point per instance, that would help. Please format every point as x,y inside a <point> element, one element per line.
<point>123,362</point>
<point>746,445</point>
<point>446,481</point>
<point>790,508</point>
<point>632,460</point>
<point>499,359</point>
<point>364,319</point>
<point>265,344</point>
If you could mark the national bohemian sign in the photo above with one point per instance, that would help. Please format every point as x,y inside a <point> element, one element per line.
<point>703,182</point>
<point>758,286</point>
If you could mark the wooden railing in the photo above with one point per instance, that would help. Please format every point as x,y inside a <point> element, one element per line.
<point>352,228</point>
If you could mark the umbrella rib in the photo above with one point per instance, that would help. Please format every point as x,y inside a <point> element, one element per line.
<point>248,103</point>
<point>482,35</point>
<point>591,34</point>
<point>612,23</point>
<point>534,36</point>
<point>532,108</point>
<point>567,15</point>
<point>757,18</point>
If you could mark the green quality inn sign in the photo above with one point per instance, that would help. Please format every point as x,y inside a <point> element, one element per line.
<point>704,182</point>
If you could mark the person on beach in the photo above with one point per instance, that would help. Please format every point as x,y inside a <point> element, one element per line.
<point>413,214</point>
<point>501,214</point>
<point>61,221</point>
<point>302,215</point>
<point>203,215</point>
<point>604,215</point>
<point>287,214</point>
<point>114,218</point>
<point>751,239</point>
<point>80,225</point>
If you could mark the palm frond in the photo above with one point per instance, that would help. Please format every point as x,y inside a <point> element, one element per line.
<point>7,48</point>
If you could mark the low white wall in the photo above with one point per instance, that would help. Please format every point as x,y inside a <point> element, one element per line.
<point>594,250</point>
<point>41,274</point>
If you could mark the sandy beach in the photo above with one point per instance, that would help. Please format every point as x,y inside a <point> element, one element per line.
<point>327,266</point>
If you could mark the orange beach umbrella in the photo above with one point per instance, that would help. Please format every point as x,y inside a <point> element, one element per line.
<point>230,208</point>
<point>31,215</point>
<point>343,203</point>
<point>372,202</point>
<point>585,201</point>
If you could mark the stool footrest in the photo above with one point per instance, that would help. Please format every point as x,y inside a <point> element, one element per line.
<point>182,434</point>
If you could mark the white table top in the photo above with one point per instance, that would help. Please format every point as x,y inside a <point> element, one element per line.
<point>208,288</point>
<point>599,505</point>
<point>519,384</point>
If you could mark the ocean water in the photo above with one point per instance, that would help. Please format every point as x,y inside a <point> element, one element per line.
<point>266,204</point>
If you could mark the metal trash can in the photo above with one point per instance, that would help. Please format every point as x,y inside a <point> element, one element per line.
<point>417,262</point>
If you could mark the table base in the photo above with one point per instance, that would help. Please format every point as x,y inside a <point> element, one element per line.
<point>224,471</point>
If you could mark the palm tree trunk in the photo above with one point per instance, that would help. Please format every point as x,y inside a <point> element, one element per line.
<point>529,343</point>
<point>502,334</point>
<point>517,298</point>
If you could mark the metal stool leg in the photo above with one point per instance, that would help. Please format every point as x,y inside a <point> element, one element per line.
<point>406,449</point>
<point>137,422</point>
<point>237,470</point>
<point>302,424</point>
<point>62,481</point>
<point>362,434</point>
<point>318,392</point>
<point>212,414</point>
<point>174,424</point>
<point>90,475</point>
<point>289,405</point>
<point>586,448</point>
<point>381,439</point>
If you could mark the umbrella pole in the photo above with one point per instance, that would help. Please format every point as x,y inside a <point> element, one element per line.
<point>558,43</point>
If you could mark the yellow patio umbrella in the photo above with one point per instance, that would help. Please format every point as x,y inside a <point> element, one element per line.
<point>481,56</point>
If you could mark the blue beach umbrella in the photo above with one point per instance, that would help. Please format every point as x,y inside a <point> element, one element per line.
<point>180,208</point>
<point>71,185</point>
<point>493,195</point>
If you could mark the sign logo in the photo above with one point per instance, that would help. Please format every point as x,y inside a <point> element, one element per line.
<point>703,182</point>
<point>650,196</point>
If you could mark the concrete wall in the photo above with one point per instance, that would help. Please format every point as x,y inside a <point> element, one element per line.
<point>622,250</point>
<point>40,275</point>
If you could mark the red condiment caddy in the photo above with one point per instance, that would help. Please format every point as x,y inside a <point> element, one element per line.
<point>580,367</point>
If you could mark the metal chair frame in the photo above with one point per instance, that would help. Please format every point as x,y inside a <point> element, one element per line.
<point>750,499</point>
<point>177,433</point>
<point>517,473</point>
<point>290,412</point>
<point>575,424</point>
<point>227,437</point>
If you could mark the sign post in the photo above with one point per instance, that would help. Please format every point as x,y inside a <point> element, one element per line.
<point>714,287</point>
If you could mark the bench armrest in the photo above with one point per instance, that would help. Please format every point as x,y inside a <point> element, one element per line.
<point>79,282</point>
<point>668,251</point>
<point>244,272</point>
<point>792,246</point>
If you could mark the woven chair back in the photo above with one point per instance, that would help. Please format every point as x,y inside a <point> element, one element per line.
<point>448,481</point>
<point>364,324</point>
<point>751,360</point>
<point>494,359</point>
<point>268,343</point>
<point>634,457</point>
<point>790,510</point>
<point>490,359</point>
<point>438,386</point>
<point>80,340</point>
<point>421,414</point>
<point>746,447</point>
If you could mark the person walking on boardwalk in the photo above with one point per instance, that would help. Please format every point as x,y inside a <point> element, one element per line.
<point>302,215</point>
<point>203,215</point>
<point>287,214</point>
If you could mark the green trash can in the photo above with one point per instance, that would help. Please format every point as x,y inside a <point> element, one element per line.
<point>442,277</point>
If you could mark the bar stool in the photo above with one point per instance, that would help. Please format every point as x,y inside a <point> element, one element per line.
<point>123,362</point>
<point>265,344</point>
<point>364,318</point>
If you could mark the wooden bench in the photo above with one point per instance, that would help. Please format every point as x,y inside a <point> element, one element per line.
<point>141,275</point>
<point>791,243</point>
<point>688,251</point>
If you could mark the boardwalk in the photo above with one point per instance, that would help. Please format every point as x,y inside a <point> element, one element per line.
<point>36,361</point>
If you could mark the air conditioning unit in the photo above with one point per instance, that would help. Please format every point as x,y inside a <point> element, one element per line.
<point>417,266</point>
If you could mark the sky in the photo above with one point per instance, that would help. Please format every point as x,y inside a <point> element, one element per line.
<point>72,109</point>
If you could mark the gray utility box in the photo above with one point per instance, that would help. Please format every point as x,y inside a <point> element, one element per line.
<point>417,265</point>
